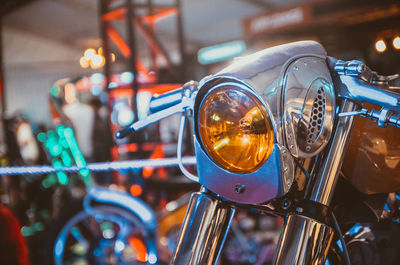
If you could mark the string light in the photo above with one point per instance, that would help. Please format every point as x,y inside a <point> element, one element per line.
<point>380,45</point>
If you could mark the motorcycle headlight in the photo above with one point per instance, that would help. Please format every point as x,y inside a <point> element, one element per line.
<point>235,129</point>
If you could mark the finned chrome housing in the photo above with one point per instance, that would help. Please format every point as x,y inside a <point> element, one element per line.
<point>294,84</point>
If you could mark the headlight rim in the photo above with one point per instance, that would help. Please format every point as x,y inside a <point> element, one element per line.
<point>213,84</point>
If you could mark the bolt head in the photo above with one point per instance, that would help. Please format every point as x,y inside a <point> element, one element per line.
<point>240,188</point>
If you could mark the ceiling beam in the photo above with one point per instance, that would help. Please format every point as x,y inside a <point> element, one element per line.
<point>8,6</point>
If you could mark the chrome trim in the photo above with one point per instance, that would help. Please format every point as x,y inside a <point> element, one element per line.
<point>308,102</point>
<point>203,232</point>
<point>287,168</point>
<point>303,241</point>
<point>259,186</point>
<point>325,183</point>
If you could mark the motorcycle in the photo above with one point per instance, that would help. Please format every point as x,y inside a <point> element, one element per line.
<point>271,132</point>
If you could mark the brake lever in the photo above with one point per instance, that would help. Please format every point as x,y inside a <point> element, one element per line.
<point>136,126</point>
<point>187,102</point>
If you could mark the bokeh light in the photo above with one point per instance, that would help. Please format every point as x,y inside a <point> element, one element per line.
<point>125,117</point>
<point>89,53</point>
<point>380,45</point>
<point>396,42</point>
<point>84,62</point>
<point>126,77</point>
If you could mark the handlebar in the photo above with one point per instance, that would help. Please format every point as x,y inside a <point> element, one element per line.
<point>384,117</point>
<point>355,81</point>
<point>359,83</point>
<point>170,103</point>
<point>166,100</point>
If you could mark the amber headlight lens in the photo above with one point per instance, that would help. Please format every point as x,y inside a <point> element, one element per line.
<point>235,129</point>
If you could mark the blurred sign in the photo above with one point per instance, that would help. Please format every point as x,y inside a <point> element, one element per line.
<point>321,14</point>
<point>220,52</point>
<point>277,20</point>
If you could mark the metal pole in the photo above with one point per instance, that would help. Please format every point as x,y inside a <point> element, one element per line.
<point>181,40</point>
<point>153,54</point>
<point>130,16</point>
<point>2,88</point>
<point>103,7</point>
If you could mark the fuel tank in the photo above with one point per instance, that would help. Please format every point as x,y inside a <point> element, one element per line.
<point>372,162</point>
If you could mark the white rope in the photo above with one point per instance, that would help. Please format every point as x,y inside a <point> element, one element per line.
<point>104,166</point>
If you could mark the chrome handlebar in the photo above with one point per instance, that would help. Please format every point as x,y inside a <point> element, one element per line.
<point>166,100</point>
<point>356,82</point>
<point>168,104</point>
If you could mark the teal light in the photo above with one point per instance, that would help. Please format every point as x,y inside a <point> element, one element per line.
<point>106,226</point>
<point>46,183</point>
<point>41,137</point>
<point>220,52</point>
<point>49,181</point>
<point>62,177</point>
<point>55,149</point>
<point>27,231</point>
<point>60,130</point>
<point>73,145</point>
<point>52,144</point>
<point>77,154</point>
<point>66,158</point>
<point>38,226</point>
<point>55,91</point>
<point>64,143</point>
<point>85,172</point>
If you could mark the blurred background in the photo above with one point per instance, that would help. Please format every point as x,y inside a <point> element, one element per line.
<point>73,72</point>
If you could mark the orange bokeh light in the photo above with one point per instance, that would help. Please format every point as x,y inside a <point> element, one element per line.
<point>136,190</point>
<point>139,247</point>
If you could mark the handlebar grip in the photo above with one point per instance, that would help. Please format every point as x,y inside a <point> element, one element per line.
<point>124,132</point>
<point>166,100</point>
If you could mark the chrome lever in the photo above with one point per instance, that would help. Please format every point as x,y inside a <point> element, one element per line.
<point>136,126</point>
<point>187,101</point>
<point>384,116</point>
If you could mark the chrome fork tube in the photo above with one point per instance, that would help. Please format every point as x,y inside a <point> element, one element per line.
<point>327,176</point>
<point>203,232</point>
<point>303,240</point>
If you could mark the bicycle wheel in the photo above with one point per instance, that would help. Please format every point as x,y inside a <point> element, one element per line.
<point>112,236</point>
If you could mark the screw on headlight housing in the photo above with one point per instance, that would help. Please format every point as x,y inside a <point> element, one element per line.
<point>240,188</point>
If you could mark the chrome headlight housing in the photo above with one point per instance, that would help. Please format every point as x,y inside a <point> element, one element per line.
<point>236,149</point>
<point>254,117</point>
